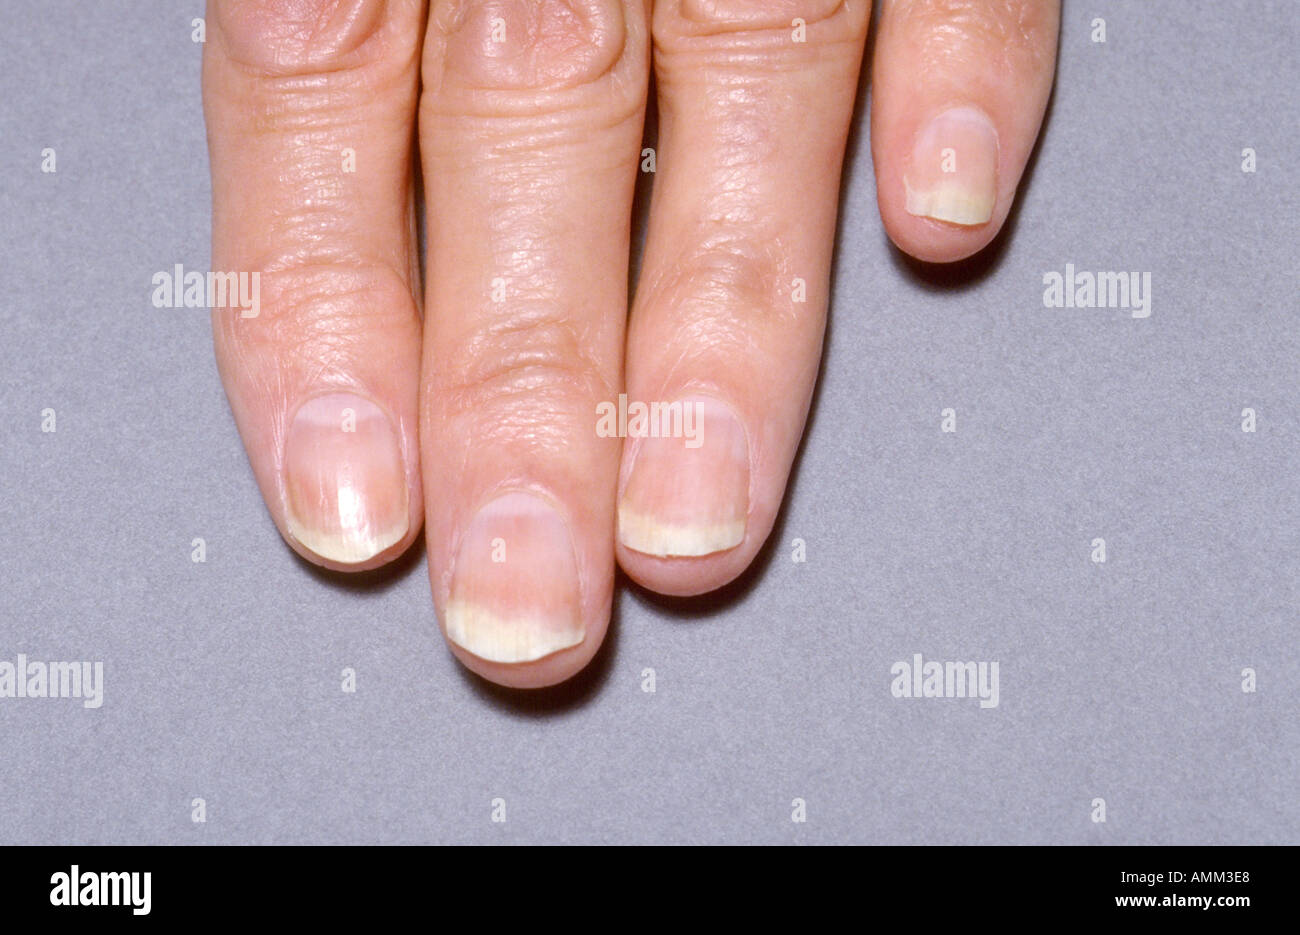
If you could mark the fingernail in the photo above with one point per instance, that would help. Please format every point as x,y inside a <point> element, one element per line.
<point>514,588</point>
<point>688,495</point>
<point>953,175</point>
<point>345,479</point>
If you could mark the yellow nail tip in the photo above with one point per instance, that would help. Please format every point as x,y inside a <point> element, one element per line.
<point>508,639</point>
<point>953,204</point>
<point>348,547</point>
<point>648,535</point>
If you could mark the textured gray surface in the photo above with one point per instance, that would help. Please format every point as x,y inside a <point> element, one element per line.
<point>1120,681</point>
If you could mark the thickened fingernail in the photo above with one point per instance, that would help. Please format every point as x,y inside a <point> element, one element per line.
<point>345,480</point>
<point>953,174</point>
<point>688,496</point>
<point>514,589</point>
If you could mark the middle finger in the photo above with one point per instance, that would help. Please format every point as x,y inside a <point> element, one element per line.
<point>529,127</point>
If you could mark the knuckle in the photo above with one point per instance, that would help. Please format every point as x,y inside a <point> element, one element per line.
<point>528,376</point>
<point>966,33</point>
<point>528,57</point>
<point>284,38</point>
<point>729,300</point>
<point>721,287</point>
<point>798,27</point>
<point>319,319</point>
<point>538,44</point>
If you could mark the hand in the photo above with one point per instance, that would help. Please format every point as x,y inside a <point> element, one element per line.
<point>483,417</point>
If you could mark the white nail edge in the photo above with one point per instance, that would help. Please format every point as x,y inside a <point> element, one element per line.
<point>494,638</point>
<point>647,535</point>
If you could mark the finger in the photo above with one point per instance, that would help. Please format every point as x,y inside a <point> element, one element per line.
<point>310,108</point>
<point>529,130</point>
<point>754,109</point>
<point>958,93</point>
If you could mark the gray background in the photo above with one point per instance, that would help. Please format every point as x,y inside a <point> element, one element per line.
<point>1119,681</point>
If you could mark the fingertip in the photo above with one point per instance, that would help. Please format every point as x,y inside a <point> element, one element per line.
<point>528,593</point>
<point>942,182</point>
<point>312,552</point>
<point>684,576</point>
<point>684,511</point>
<point>540,673</point>
<point>346,480</point>
<point>959,90</point>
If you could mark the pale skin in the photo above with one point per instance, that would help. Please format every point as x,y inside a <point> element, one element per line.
<point>376,408</point>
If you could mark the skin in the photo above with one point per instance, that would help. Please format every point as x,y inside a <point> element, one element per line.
<point>477,390</point>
